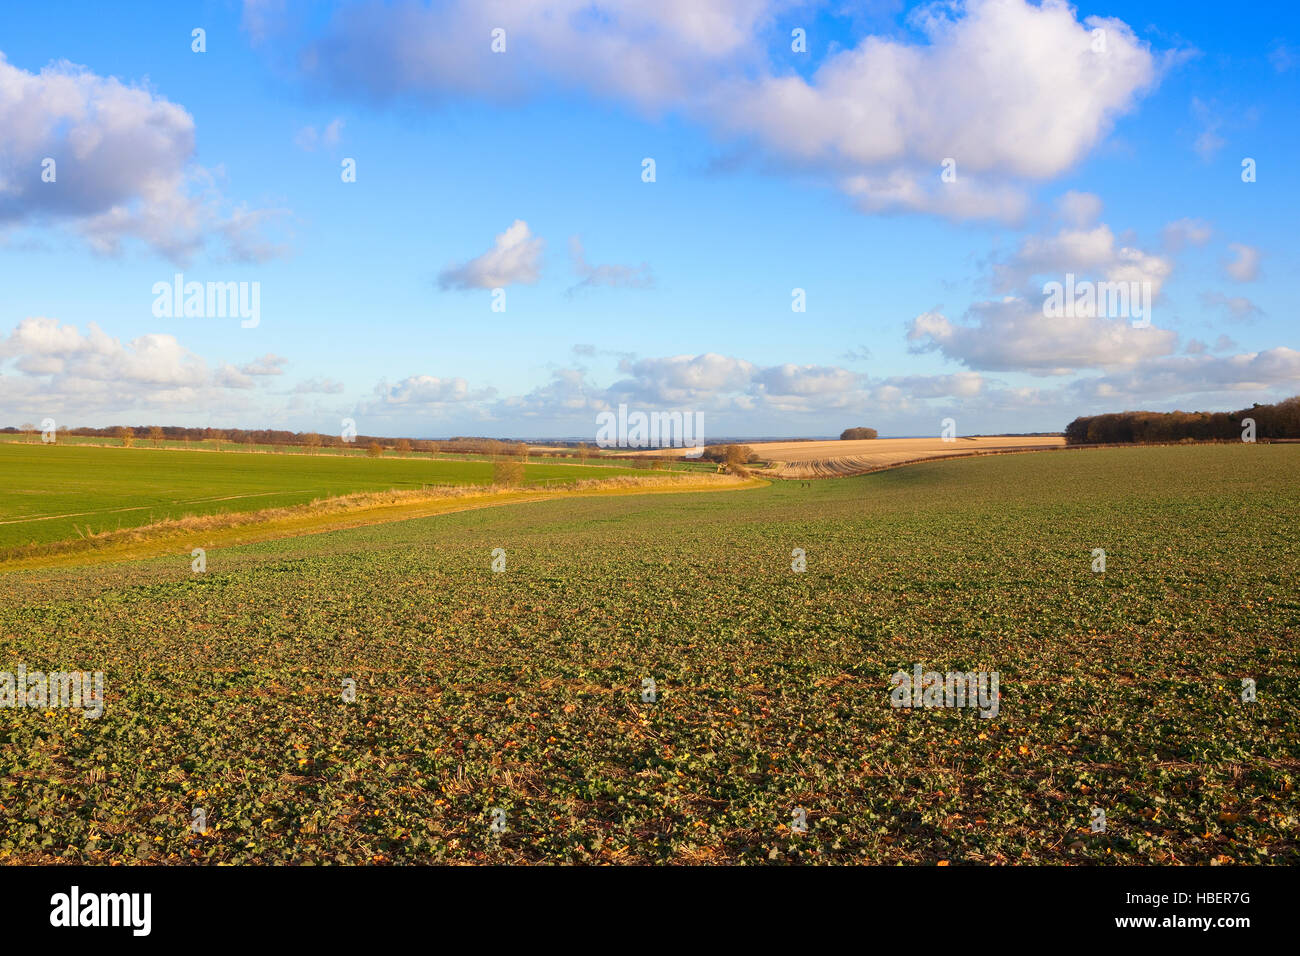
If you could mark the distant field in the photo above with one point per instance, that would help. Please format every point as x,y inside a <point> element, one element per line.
<point>831,459</point>
<point>212,445</point>
<point>521,691</point>
<point>53,492</point>
<point>203,445</point>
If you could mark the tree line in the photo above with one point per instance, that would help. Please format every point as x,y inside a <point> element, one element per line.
<point>129,434</point>
<point>1280,420</point>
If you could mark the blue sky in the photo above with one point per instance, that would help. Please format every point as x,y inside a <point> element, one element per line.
<point>1100,140</point>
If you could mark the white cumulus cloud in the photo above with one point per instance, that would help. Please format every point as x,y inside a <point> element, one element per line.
<point>515,257</point>
<point>123,167</point>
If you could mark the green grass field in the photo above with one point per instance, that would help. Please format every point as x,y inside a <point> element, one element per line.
<point>53,492</point>
<point>207,444</point>
<point>521,691</point>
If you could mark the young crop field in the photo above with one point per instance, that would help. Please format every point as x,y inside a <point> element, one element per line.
<point>55,492</point>
<point>648,679</point>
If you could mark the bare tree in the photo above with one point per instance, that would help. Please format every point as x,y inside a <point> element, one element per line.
<point>737,456</point>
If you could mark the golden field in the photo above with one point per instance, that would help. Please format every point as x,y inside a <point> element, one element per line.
<point>836,458</point>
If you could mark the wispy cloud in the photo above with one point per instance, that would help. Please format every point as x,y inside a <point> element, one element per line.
<point>1244,264</point>
<point>310,139</point>
<point>1236,307</point>
<point>615,276</point>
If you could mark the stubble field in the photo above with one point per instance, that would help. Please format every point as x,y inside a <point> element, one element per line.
<point>837,459</point>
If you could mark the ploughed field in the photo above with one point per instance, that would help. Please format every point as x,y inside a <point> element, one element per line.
<point>59,491</point>
<point>513,701</point>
